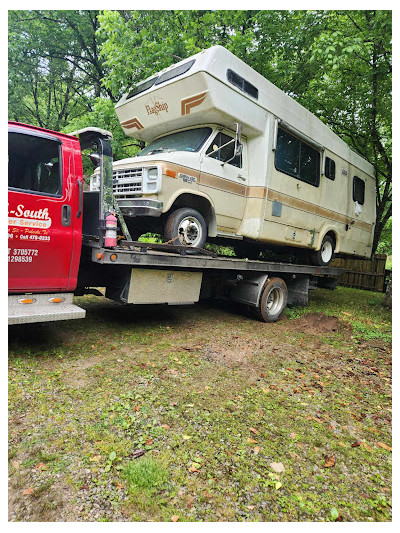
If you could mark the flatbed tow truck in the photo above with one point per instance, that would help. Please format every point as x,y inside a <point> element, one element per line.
<point>59,244</point>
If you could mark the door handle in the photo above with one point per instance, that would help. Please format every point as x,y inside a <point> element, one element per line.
<point>66,215</point>
<point>240,177</point>
<point>79,212</point>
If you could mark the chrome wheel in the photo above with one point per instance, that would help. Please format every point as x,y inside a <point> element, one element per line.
<point>275,300</point>
<point>190,231</point>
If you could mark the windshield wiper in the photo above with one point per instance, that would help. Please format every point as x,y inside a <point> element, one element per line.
<point>156,150</point>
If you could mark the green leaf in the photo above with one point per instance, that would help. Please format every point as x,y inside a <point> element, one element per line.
<point>334,513</point>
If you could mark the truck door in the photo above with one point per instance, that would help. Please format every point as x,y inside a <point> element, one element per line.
<point>224,183</point>
<point>40,210</point>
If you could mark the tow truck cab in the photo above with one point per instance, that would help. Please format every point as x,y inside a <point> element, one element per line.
<point>45,185</point>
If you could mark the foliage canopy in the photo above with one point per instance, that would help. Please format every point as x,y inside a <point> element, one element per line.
<point>335,63</point>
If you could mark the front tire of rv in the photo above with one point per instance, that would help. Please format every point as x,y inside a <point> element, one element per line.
<point>325,254</point>
<point>186,227</point>
<point>273,300</point>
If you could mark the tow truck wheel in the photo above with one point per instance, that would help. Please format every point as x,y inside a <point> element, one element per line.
<point>273,300</point>
<point>186,227</point>
<point>324,255</point>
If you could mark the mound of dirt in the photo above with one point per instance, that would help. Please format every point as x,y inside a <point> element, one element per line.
<point>316,323</point>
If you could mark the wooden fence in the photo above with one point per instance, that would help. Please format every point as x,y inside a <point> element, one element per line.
<point>368,274</point>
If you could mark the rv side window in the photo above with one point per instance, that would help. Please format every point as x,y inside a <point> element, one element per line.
<point>241,83</point>
<point>330,168</point>
<point>358,190</point>
<point>297,158</point>
<point>142,87</point>
<point>175,72</point>
<point>226,152</point>
<point>34,164</point>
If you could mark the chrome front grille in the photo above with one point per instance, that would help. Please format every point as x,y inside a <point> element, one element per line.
<point>127,182</point>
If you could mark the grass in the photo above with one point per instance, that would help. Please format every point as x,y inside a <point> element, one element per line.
<point>144,474</point>
<point>213,399</point>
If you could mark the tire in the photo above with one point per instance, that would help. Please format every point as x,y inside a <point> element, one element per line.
<point>325,254</point>
<point>186,227</point>
<point>248,251</point>
<point>273,300</point>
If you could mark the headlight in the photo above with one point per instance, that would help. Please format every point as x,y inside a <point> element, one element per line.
<point>152,174</point>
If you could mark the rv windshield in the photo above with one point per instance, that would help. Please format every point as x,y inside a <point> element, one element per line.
<point>182,141</point>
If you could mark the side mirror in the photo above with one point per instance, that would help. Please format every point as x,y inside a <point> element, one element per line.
<point>95,159</point>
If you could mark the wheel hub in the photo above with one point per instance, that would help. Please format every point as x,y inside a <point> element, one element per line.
<point>190,231</point>
<point>326,252</point>
<point>274,300</point>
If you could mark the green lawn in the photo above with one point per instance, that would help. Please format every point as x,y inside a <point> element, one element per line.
<point>238,420</point>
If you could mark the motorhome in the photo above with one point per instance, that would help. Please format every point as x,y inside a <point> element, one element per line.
<point>231,156</point>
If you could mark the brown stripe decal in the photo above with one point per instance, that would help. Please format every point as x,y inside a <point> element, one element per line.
<point>215,182</point>
<point>132,123</point>
<point>188,103</point>
<point>256,192</point>
<point>313,209</point>
<point>222,184</point>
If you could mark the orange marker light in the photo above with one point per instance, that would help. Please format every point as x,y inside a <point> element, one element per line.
<point>113,257</point>
<point>56,300</point>
<point>99,255</point>
<point>26,301</point>
<point>170,173</point>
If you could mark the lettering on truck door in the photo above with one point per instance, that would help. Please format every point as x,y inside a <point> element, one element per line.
<point>39,211</point>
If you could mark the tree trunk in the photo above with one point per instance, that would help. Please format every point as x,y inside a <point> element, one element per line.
<point>387,302</point>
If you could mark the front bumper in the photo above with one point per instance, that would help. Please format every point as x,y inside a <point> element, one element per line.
<point>138,207</point>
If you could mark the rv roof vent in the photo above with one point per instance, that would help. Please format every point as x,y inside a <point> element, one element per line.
<point>174,72</point>
<point>142,87</point>
<point>241,83</point>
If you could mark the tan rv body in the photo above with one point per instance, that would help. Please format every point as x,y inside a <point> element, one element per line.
<point>254,200</point>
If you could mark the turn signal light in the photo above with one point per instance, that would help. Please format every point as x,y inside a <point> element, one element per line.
<point>170,173</point>
<point>27,301</point>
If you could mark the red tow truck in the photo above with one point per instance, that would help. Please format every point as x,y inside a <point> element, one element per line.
<point>62,242</point>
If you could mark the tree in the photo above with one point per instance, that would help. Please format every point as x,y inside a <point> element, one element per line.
<point>55,71</point>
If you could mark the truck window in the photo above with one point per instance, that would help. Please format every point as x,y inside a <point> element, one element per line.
<point>297,158</point>
<point>181,141</point>
<point>226,153</point>
<point>358,190</point>
<point>34,164</point>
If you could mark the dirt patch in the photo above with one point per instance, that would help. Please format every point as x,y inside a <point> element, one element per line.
<point>316,323</point>
<point>236,350</point>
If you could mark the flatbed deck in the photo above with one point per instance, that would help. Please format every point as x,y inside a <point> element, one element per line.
<point>151,255</point>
